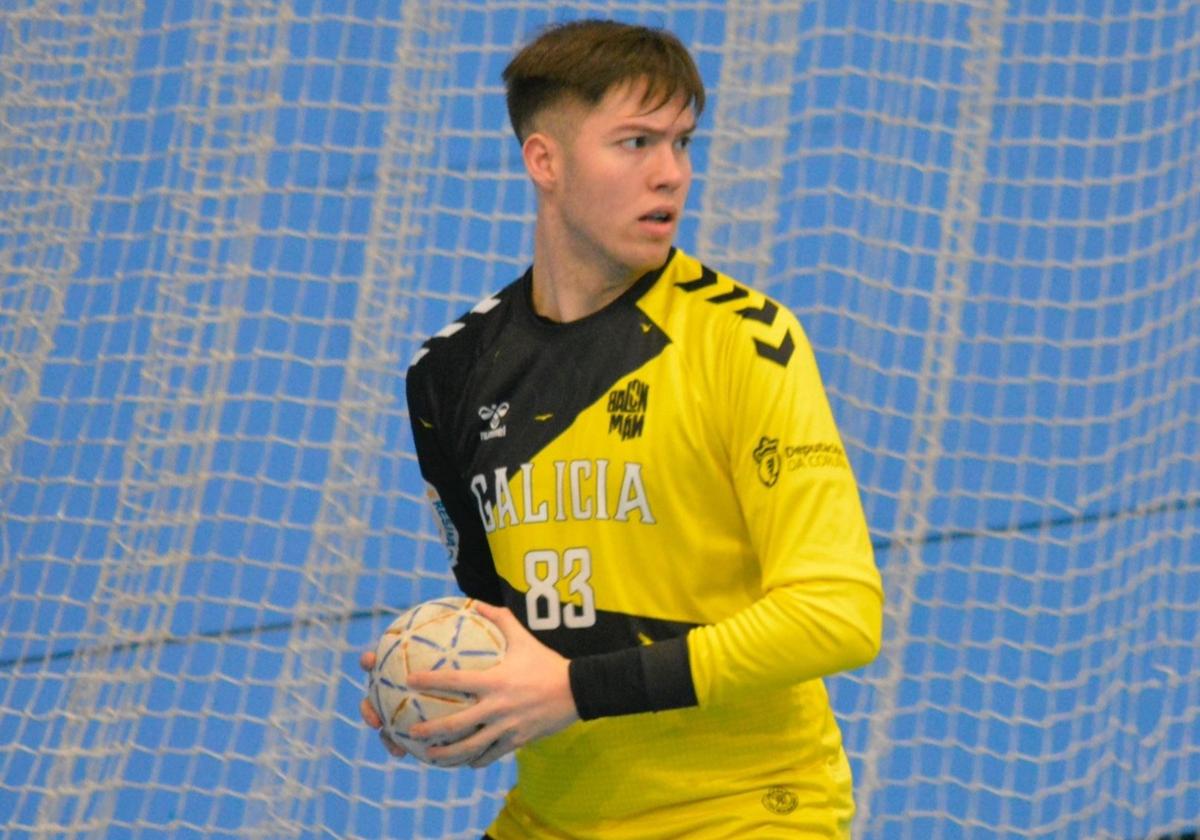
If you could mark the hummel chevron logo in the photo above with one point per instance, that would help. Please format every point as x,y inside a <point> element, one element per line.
<point>707,278</point>
<point>764,314</point>
<point>780,354</point>
<point>737,294</point>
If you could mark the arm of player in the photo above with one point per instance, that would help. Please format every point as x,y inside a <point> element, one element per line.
<point>824,628</point>
<point>535,692</point>
<point>820,611</point>
<point>467,548</point>
<point>525,697</point>
<point>466,544</point>
<point>829,627</point>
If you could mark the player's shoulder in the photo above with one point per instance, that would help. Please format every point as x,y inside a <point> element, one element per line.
<point>456,345</point>
<point>706,308</point>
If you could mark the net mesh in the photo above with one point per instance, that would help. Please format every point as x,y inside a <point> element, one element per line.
<point>226,225</point>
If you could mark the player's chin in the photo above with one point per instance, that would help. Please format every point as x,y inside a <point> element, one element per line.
<point>649,257</point>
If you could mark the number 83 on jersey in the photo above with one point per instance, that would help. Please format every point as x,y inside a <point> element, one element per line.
<point>546,573</point>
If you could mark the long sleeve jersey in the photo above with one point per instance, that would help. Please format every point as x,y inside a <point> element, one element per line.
<point>659,492</point>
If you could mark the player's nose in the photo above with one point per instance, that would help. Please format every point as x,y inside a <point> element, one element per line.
<point>671,167</point>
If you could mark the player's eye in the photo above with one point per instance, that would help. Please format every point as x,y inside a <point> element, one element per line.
<point>638,142</point>
<point>683,142</point>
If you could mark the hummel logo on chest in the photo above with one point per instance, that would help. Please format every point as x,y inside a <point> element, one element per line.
<point>492,415</point>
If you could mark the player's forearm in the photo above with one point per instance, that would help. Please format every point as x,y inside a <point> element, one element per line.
<point>650,678</point>
<point>793,634</point>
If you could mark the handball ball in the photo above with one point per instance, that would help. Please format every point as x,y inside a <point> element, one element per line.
<point>437,634</point>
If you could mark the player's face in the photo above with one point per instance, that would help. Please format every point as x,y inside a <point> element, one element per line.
<point>626,175</point>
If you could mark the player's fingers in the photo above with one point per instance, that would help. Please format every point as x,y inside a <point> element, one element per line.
<point>367,660</point>
<point>391,746</point>
<point>453,727</point>
<point>370,717</point>
<point>502,617</point>
<point>497,750</point>
<point>466,751</point>
<point>447,679</point>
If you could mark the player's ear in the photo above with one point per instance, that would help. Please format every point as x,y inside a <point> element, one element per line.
<point>542,155</point>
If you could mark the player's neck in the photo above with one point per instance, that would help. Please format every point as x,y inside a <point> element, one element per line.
<point>568,286</point>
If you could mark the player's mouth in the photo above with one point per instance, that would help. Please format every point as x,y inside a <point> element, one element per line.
<point>659,222</point>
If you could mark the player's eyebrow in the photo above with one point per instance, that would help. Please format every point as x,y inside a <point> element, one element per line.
<point>643,127</point>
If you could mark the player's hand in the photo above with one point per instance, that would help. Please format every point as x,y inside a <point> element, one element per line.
<point>525,697</point>
<point>370,716</point>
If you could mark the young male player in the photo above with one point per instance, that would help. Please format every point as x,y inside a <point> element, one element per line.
<point>634,454</point>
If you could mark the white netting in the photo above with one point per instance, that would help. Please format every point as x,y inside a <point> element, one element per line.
<point>225,225</point>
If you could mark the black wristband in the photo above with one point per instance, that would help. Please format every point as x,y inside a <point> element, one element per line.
<point>633,680</point>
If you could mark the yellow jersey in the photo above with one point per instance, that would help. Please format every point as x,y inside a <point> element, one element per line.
<point>659,492</point>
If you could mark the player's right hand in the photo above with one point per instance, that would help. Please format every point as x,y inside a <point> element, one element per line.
<point>370,716</point>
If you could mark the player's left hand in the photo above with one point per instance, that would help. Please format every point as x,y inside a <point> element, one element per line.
<point>525,697</point>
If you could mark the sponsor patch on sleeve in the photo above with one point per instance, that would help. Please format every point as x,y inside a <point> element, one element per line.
<point>444,522</point>
<point>774,458</point>
<point>814,455</point>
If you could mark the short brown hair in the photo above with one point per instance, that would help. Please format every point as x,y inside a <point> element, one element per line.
<point>584,59</point>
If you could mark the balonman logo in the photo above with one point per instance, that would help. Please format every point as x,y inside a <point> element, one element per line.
<point>492,415</point>
<point>627,409</point>
<point>766,455</point>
